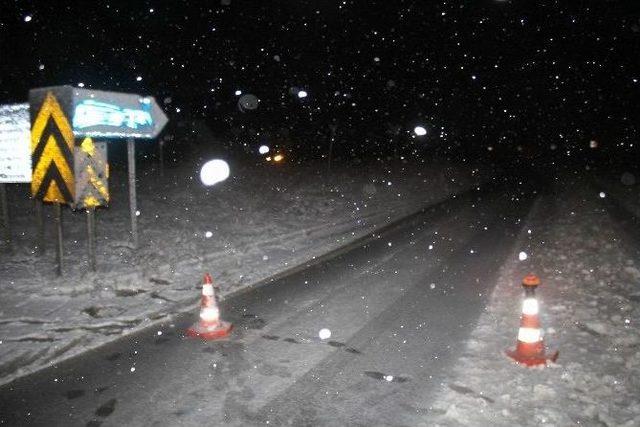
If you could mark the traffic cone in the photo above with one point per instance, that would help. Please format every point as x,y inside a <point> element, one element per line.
<point>210,326</point>
<point>530,350</point>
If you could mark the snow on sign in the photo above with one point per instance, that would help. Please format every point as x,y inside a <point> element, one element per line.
<point>103,114</point>
<point>15,144</point>
<point>52,145</point>
<point>92,174</point>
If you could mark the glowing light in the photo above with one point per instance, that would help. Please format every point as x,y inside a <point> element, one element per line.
<point>522,256</point>
<point>139,78</point>
<point>268,159</point>
<point>530,306</point>
<point>94,113</point>
<point>263,149</point>
<point>602,195</point>
<point>214,171</point>
<point>208,234</point>
<point>278,157</point>
<point>593,144</point>
<point>420,131</point>
<point>324,334</point>
<point>238,92</point>
<point>27,18</point>
<point>388,378</point>
<point>302,94</point>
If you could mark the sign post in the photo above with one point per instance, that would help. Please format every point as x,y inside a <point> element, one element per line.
<point>92,174</point>
<point>133,206</point>
<point>67,166</point>
<point>57,209</point>
<point>123,116</point>
<point>161,156</point>
<point>91,232</point>
<point>40,248</point>
<point>52,148</point>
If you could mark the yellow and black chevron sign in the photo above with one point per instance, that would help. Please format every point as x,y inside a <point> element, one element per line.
<point>51,151</point>
<point>92,174</point>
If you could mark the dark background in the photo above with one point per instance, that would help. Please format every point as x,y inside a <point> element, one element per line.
<point>519,81</point>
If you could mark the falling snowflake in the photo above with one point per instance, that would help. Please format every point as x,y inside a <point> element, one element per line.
<point>420,131</point>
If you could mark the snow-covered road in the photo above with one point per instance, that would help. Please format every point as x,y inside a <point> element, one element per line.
<point>400,309</point>
<point>261,222</point>
<point>420,315</point>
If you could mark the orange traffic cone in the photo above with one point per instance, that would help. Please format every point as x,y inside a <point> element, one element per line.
<point>210,326</point>
<point>530,349</point>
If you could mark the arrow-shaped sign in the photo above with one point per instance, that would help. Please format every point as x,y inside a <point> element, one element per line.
<point>103,114</point>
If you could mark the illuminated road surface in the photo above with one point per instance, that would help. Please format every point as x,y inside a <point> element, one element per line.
<point>399,310</point>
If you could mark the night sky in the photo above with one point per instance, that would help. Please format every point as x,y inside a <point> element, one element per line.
<point>482,74</point>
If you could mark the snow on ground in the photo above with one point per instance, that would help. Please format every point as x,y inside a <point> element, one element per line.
<point>589,311</point>
<point>262,221</point>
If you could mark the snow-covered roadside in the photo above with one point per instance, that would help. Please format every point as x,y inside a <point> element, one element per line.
<point>589,309</point>
<point>261,222</point>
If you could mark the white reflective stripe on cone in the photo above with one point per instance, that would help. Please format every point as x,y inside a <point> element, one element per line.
<point>207,289</point>
<point>529,335</point>
<point>210,314</point>
<point>530,306</point>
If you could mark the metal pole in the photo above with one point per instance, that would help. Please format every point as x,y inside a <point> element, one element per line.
<point>91,231</point>
<point>161,154</point>
<point>58,214</point>
<point>133,207</point>
<point>5,216</point>
<point>40,248</point>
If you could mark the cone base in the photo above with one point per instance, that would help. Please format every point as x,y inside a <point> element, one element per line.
<point>539,359</point>
<point>221,331</point>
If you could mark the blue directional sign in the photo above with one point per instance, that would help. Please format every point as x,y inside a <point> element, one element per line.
<point>89,113</point>
<point>115,115</point>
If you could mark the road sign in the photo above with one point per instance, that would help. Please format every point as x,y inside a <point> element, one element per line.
<point>103,114</point>
<point>15,143</point>
<point>92,174</point>
<point>52,144</point>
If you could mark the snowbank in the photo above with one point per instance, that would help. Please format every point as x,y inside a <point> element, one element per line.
<point>589,309</point>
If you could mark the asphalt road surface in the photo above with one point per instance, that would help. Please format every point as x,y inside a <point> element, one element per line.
<point>399,308</point>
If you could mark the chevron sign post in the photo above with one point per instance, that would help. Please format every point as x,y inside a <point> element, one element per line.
<point>52,146</point>
<point>68,165</point>
<point>92,186</point>
<point>92,174</point>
